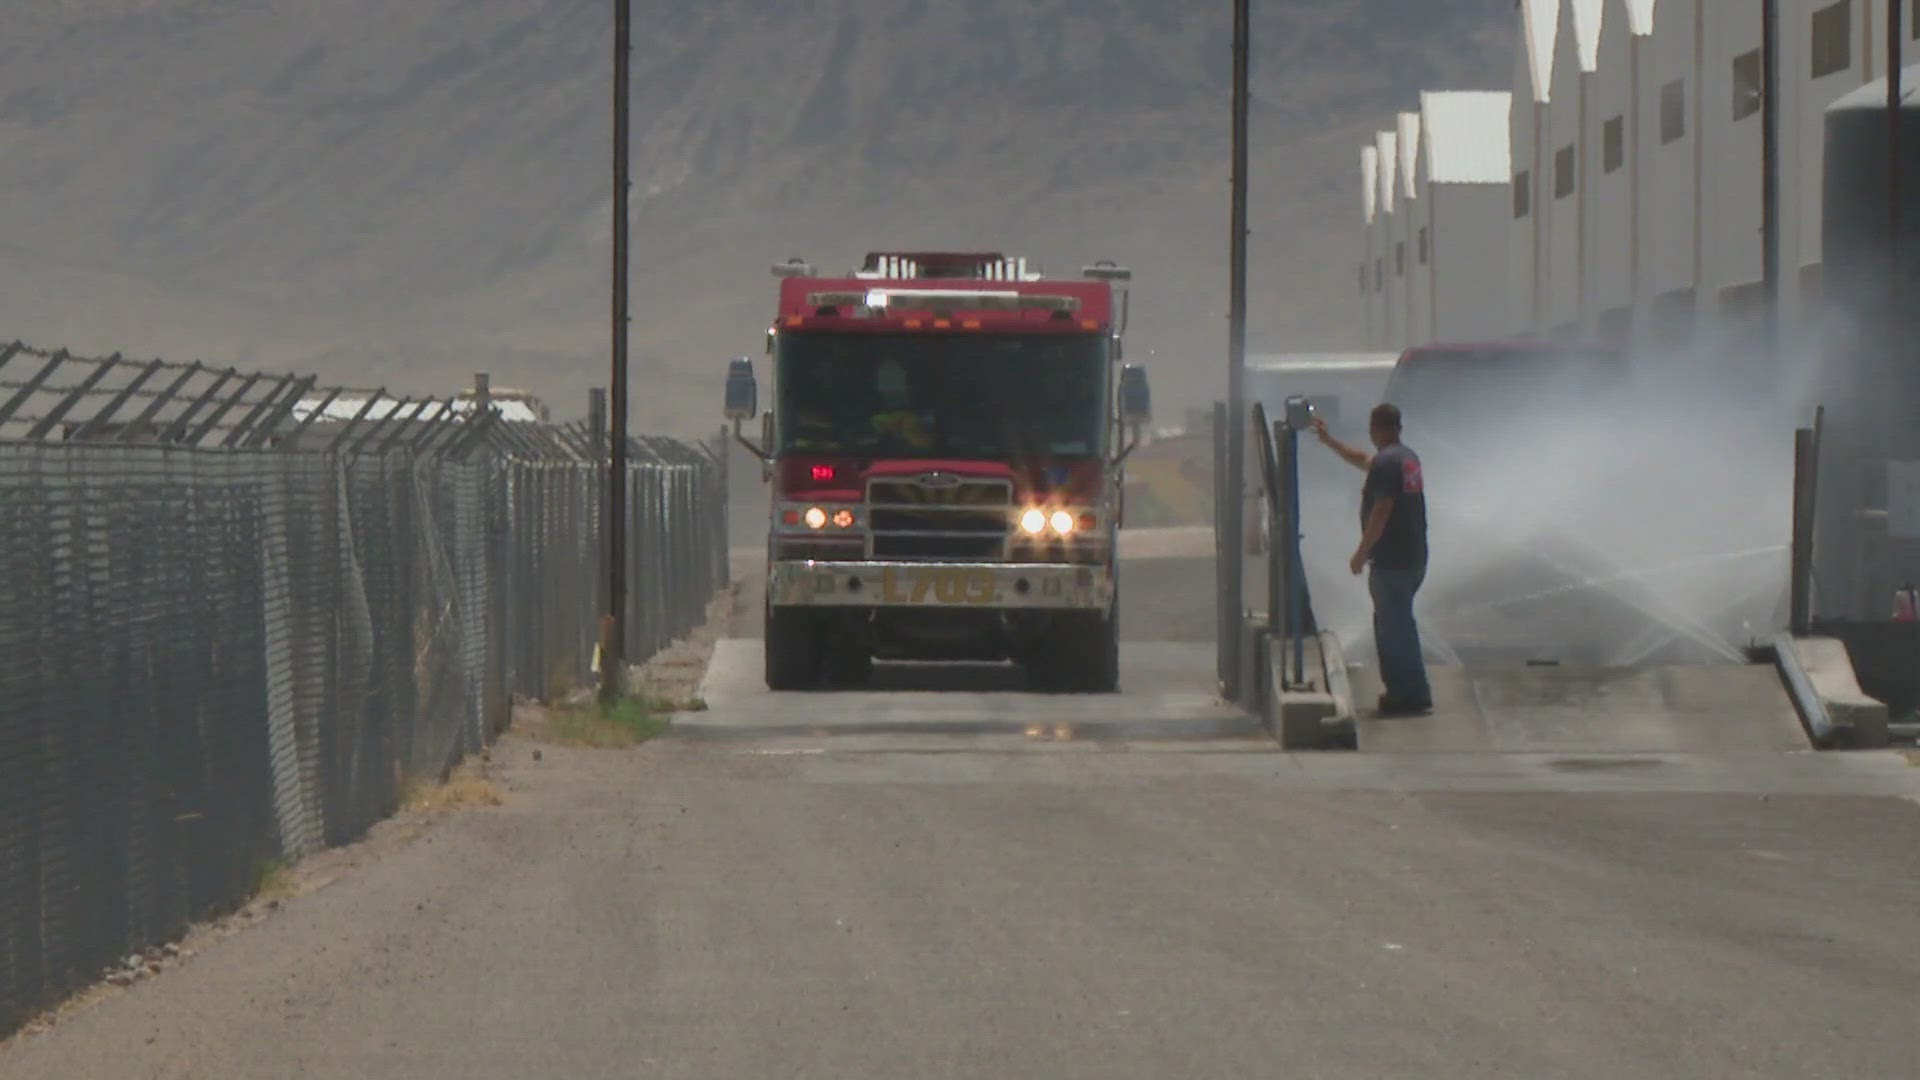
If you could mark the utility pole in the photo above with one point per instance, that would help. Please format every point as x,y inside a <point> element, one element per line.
<point>1769,172</point>
<point>1895,92</point>
<point>1232,490</point>
<point>613,635</point>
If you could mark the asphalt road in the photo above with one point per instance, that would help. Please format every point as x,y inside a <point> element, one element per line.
<point>1011,904</point>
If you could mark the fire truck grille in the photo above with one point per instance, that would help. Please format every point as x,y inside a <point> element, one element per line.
<point>954,519</point>
<point>889,519</point>
<point>911,492</point>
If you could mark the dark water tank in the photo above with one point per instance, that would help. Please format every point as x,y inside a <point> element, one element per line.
<point>1857,200</point>
<point>1869,371</point>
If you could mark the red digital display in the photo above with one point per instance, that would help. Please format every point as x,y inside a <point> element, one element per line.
<point>824,473</point>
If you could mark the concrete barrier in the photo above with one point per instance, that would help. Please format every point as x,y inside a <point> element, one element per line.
<point>1820,678</point>
<point>1299,718</point>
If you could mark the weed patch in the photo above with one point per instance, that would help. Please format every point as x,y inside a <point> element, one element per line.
<point>272,880</point>
<point>628,721</point>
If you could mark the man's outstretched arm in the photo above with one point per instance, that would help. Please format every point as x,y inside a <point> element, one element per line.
<point>1359,459</point>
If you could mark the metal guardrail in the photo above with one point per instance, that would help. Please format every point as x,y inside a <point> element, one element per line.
<point>1807,702</point>
<point>235,625</point>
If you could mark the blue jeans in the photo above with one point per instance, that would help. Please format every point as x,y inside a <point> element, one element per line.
<point>1397,636</point>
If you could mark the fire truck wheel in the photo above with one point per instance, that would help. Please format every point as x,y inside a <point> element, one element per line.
<point>1083,656</point>
<point>793,646</point>
<point>1102,670</point>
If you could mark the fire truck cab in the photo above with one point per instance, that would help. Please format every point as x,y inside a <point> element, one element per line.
<point>945,447</point>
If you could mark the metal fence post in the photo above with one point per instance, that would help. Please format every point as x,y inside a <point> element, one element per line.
<point>1296,567</point>
<point>1226,605</point>
<point>1805,478</point>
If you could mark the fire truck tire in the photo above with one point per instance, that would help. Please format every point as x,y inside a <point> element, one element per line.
<point>793,647</point>
<point>1083,657</point>
<point>1102,664</point>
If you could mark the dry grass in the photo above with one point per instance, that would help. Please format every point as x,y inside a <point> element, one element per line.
<point>465,788</point>
<point>273,879</point>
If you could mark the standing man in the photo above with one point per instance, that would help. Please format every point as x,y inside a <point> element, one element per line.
<point>1393,537</point>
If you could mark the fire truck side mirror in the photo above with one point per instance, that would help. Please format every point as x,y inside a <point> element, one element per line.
<point>743,391</point>
<point>1136,399</point>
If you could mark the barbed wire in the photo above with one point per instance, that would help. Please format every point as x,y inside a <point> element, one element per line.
<point>54,395</point>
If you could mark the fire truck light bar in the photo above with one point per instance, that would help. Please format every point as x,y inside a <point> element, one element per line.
<point>943,299</point>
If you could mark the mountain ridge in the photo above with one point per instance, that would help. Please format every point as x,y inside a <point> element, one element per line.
<point>402,195</point>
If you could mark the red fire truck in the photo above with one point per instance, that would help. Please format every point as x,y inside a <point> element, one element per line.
<point>945,449</point>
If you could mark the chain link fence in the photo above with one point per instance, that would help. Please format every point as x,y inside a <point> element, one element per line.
<point>236,624</point>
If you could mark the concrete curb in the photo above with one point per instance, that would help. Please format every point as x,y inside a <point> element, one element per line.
<point>1333,668</point>
<point>1319,718</point>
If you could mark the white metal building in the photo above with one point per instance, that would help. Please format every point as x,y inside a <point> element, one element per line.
<point>1465,205</point>
<point>1566,143</point>
<point>1390,268</point>
<point>1731,290</point>
<point>1414,239</point>
<point>1372,285</point>
<point>1612,178</point>
<point>1700,87</point>
<point>1435,193</point>
<point>1829,49</point>
<point>1528,128</point>
<point>1633,174</point>
<point>1669,157</point>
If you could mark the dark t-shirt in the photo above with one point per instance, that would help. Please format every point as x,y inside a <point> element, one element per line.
<point>1396,475</point>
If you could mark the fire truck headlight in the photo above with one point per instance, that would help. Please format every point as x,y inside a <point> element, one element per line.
<point>1033,522</point>
<point>843,519</point>
<point>1062,522</point>
<point>815,518</point>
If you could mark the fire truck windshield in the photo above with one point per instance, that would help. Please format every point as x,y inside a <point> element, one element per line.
<point>985,396</point>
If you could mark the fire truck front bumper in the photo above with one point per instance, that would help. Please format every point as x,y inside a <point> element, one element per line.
<point>961,586</point>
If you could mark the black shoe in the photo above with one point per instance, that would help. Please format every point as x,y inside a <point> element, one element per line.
<point>1392,706</point>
